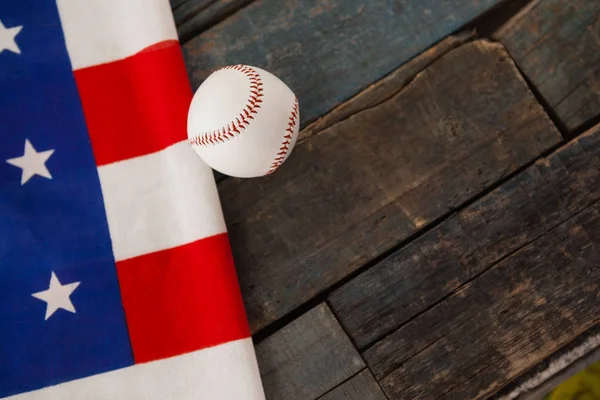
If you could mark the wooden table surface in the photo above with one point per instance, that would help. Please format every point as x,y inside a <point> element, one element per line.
<point>435,234</point>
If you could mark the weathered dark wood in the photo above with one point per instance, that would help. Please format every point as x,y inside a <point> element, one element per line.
<point>556,43</point>
<point>327,51</point>
<point>177,3</point>
<point>491,21</point>
<point>381,90</point>
<point>433,266</point>
<point>307,358</point>
<point>437,263</point>
<point>385,88</point>
<point>369,182</point>
<point>360,387</point>
<point>590,361</point>
<point>504,321</point>
<point>196,16</point>
<point>548,374</point>
<point>183,10</point>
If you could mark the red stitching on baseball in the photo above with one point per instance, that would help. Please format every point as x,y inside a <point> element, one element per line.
<point>287,139</point>
<point>236,127</point>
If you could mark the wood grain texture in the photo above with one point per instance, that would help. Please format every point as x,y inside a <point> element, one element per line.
<point>434,265</point>
<point>183,10</point>
<point>360,387</point>
<point>538,235</point>
<point>437,263</point>
<point>367,183</point>
<point>556,43</point>
<point>195,16</point>
<point>506,320</point>
<point>555,369</point>
<point>327,51</point>
<point>385,88</point>
<point>307,358</point>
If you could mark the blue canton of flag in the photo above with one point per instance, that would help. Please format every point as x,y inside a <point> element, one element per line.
<point>60,303</point>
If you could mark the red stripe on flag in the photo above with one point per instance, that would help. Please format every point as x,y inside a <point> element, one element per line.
<point>137,105</point>
<point>182,299</point>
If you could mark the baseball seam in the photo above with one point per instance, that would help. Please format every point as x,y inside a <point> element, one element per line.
<point>287,138</point>
<point>234,128</point>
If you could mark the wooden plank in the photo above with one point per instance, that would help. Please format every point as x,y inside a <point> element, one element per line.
<point>327,51</point>
<point>385,88</point>
<point>195,16</point>
<point>401,286</point>
<point>307,358</point>
<point>185,9</point>
<point>360,387</point>
<point>176,3</point>
<point>433,266</point>
<point>505,321</point>
<point>550,386</point>
<point>367,183</point>
<point>548,374</point>
<point>556,43</point>
<point>491,21</point>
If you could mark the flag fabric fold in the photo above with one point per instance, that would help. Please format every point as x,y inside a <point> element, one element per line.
<point>116,274</point>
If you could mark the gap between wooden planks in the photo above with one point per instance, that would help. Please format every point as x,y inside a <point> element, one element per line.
<point>491,291</point>
<point>326,51</point>
<point>366,184</point>
<point>504,317</point>
<point>556,44</point>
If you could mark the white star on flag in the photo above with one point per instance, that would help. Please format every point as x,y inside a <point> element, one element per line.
<point>32,162</point>
<point>57,296</point>
<point>7,38</point>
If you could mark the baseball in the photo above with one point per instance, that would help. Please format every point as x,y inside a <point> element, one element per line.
<point>243,121</point>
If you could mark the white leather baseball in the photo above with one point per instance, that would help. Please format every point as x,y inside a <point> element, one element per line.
<point>243,121</point>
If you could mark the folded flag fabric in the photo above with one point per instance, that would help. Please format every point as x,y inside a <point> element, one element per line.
<point>116,274</point>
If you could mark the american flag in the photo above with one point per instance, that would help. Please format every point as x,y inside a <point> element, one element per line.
<point>116,274</point>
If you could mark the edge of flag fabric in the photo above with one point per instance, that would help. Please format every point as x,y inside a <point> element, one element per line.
<point>116,274</point>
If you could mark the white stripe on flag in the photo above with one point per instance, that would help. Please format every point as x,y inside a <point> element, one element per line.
<point>160,201</point>
<point>224,372</point>
<point>101,31</point>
